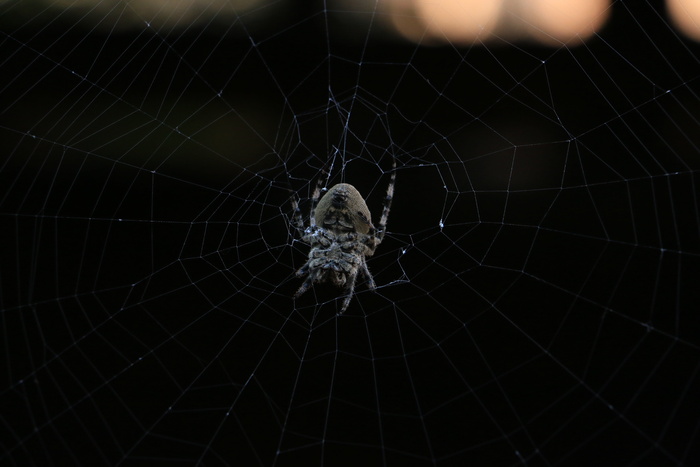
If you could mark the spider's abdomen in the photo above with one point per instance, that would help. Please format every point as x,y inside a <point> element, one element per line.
<point>343,209</point>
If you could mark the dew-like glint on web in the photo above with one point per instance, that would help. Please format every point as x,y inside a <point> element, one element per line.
<point>536,296</point>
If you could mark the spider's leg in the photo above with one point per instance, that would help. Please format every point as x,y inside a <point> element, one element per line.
<point>302,270</point>
<point>381,226</point>
<point>297,219</point>
<point>349,290</point>
<point>368,275</point>
<point>315,197</point>
<point>304,287</point>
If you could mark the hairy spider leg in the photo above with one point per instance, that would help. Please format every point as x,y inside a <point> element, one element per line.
<point>324,175</point>
<point>368,275</point>
<point>307,283</point>
<point>381,226</point>
<point>349,290</point>
<point>314,200</point>
<point>297,219</point>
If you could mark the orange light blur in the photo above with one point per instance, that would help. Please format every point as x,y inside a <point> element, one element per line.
<point>463,21</point>
<point>685,15</point>
<point>563,22</point>
<point>552,22</point>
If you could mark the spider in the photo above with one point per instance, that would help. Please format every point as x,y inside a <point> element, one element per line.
<point>343,237</point>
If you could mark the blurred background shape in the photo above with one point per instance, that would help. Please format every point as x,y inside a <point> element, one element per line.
<point>685,15</point>
<point>428,22</point>
<point>549,22</point>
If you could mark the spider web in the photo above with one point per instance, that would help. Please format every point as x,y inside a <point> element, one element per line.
<point>537,288</point>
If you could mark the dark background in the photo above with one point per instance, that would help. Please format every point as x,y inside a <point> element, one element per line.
<point>147,262</point>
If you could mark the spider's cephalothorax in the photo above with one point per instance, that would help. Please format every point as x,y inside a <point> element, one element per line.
<point>341,236</point>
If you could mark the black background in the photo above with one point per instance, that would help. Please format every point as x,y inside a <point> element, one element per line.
<point>147,266</point>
